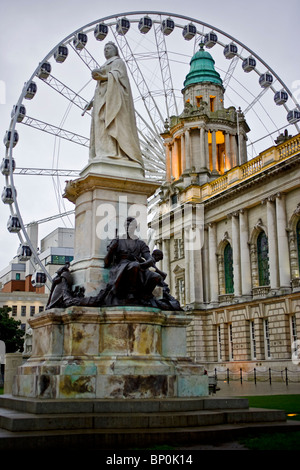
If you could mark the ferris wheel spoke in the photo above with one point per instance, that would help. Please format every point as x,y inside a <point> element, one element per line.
<point>65,91</point>
<point>170,100</point>
<point>46,172</point>
<point>230,71</point>
<point>57,131</point>
<point>86,57</point>
<point>256,99</point>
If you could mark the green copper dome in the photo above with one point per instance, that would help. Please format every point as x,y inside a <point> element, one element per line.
<point>202,69</point>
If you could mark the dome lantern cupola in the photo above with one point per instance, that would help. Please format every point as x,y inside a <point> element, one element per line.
<point>202,69</point>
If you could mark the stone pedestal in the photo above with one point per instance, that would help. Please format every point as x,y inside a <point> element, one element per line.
<point>116,352</point>
<point>103,201</point>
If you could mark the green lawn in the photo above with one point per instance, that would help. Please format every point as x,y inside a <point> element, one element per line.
<point>275,441</point>
<point>289,403</point>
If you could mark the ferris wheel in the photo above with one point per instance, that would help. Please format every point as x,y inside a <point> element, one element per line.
<point>49,128</point>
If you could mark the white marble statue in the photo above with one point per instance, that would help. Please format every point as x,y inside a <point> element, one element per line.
<point>113,128</point>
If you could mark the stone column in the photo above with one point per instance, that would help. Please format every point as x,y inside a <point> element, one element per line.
<point>214,150</point>
<point>183,162</point>
<point>283,246</point>
<point>202,160</point>
<point>213,267</point>
<point>168,163</point>
<point>166,260</point>
<point>228,155</point>
<point>193,268</point>
<point>236,253</point>
<point>187,140</point>
<point>272,240</point>
<point>234,153</point>
<point>245,254</point>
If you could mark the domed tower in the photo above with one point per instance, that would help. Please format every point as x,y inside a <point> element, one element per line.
<point>206,139</point>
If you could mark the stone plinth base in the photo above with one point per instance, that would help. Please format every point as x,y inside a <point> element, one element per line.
<point>116,352</point>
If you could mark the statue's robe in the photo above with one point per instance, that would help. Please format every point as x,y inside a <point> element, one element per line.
<point>113,128</point>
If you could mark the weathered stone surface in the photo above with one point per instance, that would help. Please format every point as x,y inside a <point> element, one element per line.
<point>122,352</point>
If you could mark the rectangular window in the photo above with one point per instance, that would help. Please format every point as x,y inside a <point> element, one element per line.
<point>294,334</point>
<point>267,339</point>
<point>61,259</point>
<point>32,310</point>
<point>41,308</point>
<point>23,310</point>
<point>219,340</point>
<point>18,276</point>
<point>230,341</point>
<point>180,290</point>
<point>178,248</point>
<point>252,340</point>
<point>14,310</point>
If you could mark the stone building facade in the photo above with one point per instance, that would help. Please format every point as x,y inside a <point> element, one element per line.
<point>230,231</point>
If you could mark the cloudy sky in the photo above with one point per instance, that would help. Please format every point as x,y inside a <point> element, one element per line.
<point>30,29</point>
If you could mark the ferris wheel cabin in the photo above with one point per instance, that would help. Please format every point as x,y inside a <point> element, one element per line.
<point>101,31</point>
<point>189,31</point>
<point>293,116</point>
<point>20,111</point>
<point>7,139</point>
<point>31,91</point>
<point>230,50</point>
<point>5,166</point>
<point>145,24</point>
<point>61,54</point>
<point>210,39</point>
<point>280,97</point>
<point>249,64</point>
<point>7,195</point>
<point>123,26</point>
<point>80,41</point>
<point>167,26</point>
<point>13,224</point>
<point>44,70</point>
<point>38,279</point>
<point>24,252</point>
<point>265,80</point>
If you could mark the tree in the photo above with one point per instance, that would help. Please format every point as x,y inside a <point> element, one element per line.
<point>10,331</point>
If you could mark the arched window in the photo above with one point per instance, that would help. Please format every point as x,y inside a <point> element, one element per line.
<point>298,241</point>
<point>228,269</point>
<point>263,259</point>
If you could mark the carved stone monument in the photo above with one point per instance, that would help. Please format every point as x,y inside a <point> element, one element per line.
<point>105,334</point>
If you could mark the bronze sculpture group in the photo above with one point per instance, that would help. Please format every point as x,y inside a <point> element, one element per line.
<point>133,278</point>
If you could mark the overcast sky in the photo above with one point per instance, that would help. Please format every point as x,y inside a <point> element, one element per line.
<point>30,29</point>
